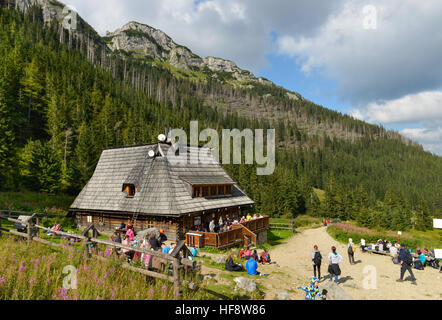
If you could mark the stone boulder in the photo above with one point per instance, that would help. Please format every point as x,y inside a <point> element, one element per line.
<point>243,283</point>
<point>219,259</point>
<point>334,291</point>
<point>283,296</point>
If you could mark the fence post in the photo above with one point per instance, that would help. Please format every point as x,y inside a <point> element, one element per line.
<point>293,226</point>
<point>29,230</point>
<point>46,213</point>
<point>86,244</point>
<point>1,227</point>
<point>9,212</point>
<point>176,276</point>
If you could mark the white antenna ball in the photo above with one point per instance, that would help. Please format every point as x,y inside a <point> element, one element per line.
<point>162,137</point>
<point>151,153</point>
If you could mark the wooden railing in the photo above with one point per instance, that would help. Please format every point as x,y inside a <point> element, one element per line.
<point>178,262</point>
<point>257,225</point>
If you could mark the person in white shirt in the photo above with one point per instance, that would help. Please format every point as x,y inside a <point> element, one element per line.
<point>362,244</point>
<point>334,260</point>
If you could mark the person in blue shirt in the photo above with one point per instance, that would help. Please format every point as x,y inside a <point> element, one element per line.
<point>165,249</point>
<point>194,252</point>
<point>252,267</point>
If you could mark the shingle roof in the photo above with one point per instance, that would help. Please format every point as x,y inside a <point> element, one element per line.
<point>161,190</point>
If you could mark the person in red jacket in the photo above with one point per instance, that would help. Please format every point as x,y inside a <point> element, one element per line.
<point>265,257</point>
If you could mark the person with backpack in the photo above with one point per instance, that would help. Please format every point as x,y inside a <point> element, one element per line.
<point>316,261</point>
<point>334,260</point>
<point>406,261</point>
<point>265,257</point>
<point>351,251</point>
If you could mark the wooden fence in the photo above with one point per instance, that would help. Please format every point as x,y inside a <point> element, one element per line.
<point>283,226</point>
<point>178,257</point>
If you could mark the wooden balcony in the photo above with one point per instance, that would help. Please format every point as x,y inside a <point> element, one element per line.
<point>240,235</point>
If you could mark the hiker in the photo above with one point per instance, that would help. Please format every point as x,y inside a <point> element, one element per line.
<point>316,261</point>
<point>419,263</point>
<point>232,266</point>
<point>163,237</point>
<point>172,247</point>
<point>247,253</point>
<point>220,222</point>
<point>193,252</point>
<point>241,253</point>
<point>122,225</point>
<point>312,290</point>
<point>130,232</point>
<point>243,219</point>
<point>127,252</point>
<point>255,255</point>
<point>165,248</point>
<point>212,226</point>
<point>265,257</point>
<point>146,258</point>
<point>363,244</point>
<point>249,217</point>
<point>252,267</point>
<point>154,242</point>
<point>351,251</point>
<point>406,260</point>
<point>394,254</point>
<point>334,260</point>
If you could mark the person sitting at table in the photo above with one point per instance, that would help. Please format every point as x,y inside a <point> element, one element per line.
<point>249,217</point>
<point>232,266</point>
<point>243,219</point>
<point>241,253</point>
<point>130,232</point>
<point>127,252</point>
<point>122,225</point>
<point>419,263</point>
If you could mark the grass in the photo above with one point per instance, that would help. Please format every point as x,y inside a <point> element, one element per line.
<point>35,272</point>
<point>413,239</point>
<point>35,202</point>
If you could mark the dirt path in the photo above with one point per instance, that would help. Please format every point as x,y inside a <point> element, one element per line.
<point>293,268</point>
<point>294,262</point>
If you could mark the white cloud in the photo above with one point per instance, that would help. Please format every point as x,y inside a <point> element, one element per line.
<point>421,107</point>
<point>401,56</point>
<point>424,108</point>
<point>232,29</point>
<point>431,139</point>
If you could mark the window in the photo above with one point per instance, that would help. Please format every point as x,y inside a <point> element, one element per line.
<point>89,219</point>
<point>211,191</point>
<point>130,190</point>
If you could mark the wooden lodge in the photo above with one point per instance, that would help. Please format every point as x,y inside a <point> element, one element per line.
<point>153,186</point>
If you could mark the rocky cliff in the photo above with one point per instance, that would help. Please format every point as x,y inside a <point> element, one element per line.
<point>155,44</point>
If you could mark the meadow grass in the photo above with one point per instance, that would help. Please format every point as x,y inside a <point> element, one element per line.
<point>412,239</point>
<point>35,272</point>
<point>35,202</point>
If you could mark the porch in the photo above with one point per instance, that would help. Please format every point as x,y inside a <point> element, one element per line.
<point>244,234</point>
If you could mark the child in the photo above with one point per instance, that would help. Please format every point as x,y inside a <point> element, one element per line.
<point>312,290</point>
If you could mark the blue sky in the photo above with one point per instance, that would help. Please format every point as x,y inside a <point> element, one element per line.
<point>378,61</point>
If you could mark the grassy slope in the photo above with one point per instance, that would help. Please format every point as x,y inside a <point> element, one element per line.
<point>413,239</point>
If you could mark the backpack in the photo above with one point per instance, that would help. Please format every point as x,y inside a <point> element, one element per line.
<point>317,258</point>
<point>408,259</point>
